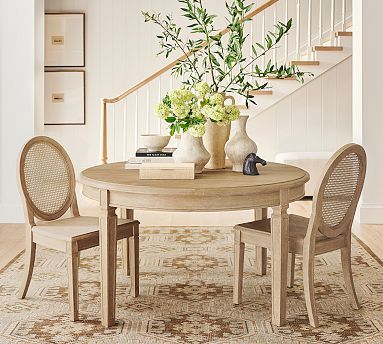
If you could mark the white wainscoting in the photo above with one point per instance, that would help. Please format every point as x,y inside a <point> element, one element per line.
<point>317,117</point>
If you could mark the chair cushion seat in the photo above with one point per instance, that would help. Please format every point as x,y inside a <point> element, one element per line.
<point>68,228</point>
<point>297,227</point>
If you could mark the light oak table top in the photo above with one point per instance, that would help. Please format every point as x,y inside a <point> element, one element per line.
<point>209,191</point>
<point>115,187</point>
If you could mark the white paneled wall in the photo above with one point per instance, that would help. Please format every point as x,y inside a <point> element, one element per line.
<point>317,117</point>
<point>121,50</point>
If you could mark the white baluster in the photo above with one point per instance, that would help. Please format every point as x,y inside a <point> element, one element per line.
<point>251,35</point>
<point>263,35</point>
<point>148,109</point>
<point>159,100</point>
<point>114,131</point>
<point>309,30</point>
<point>298,28</point>
<point>125,129</point>
<point>136,124</point>
<point>320,23</point>
<point>275,23</point>
<point>332,25</point>
<point>286,36</point>
<point>343,15</point>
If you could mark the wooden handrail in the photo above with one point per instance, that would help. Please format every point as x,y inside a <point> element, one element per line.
<point>105,101</point>
<point>181,58</point>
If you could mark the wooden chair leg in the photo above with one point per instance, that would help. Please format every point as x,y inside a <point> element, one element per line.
<point>126,214</point>
<point>134,262</point>
<point>125,256</point>
<point>347,273</point>
<point>290,270</point>
<point>260,260</point>
<point>239,253</point>
<point>29,258</point>
<point>308,284</point>
<point>72,264</point>
<point>260,252</point>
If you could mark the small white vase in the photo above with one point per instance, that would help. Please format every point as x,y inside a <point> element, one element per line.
<point>240,145</point>
<point>191,149</point>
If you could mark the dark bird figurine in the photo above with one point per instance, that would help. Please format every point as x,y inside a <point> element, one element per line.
<point>250,164</point>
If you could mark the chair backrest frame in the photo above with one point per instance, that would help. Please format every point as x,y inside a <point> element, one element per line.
<point>317,221</point>
<point>70,198</point>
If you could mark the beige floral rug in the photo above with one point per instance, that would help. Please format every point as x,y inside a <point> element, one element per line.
<point>186,297</point>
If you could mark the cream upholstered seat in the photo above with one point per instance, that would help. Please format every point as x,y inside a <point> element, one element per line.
<point>328,229</point>
<point>71,228</point>
<point>47,184</point>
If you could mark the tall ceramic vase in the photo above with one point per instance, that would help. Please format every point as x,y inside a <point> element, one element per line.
<point>215,139</point>
<point>191,149</point>
<point>240,145</point>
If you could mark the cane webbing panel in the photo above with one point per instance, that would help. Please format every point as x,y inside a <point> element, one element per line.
<point>47,178</point>
<point>340,190</point>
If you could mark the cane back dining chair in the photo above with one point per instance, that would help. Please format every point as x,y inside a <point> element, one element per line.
<point>328,229</point>
<point>47,185</point>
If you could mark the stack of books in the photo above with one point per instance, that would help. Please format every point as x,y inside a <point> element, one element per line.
<point>144,156</point>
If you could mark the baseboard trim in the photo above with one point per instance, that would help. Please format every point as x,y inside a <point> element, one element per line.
<point>371,214</point>
<point>11,213</point>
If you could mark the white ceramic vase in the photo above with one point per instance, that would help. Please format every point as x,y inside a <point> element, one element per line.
<point>240,145</point>
<point>191,149</point>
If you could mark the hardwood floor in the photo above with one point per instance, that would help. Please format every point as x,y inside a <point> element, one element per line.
<point>12,235</point>
<point>11,242</point>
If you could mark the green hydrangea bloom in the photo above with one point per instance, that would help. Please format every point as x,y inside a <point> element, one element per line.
<point>162,110</point>
<point>197,130</point>
<point>216,113</point>
<point>203,88</point>
<point>216,99</point>
<point>232,112</point>
<point>181,96</point>
<point>181,110</point>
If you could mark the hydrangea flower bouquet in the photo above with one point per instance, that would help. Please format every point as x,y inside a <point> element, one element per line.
<point>189,110</point>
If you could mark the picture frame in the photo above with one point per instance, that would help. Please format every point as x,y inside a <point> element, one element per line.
<point>64,97</point>
<point>64,40</point>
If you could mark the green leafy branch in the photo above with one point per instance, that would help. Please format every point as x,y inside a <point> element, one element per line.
<point>222,62</point>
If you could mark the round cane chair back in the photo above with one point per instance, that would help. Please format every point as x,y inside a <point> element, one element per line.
<point>46,178</point>
<point>337,196</point>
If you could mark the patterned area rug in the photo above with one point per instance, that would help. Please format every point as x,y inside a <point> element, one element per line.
<point>186,297</point>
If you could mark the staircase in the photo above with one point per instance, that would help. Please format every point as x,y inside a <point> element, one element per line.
<point>320,40</point>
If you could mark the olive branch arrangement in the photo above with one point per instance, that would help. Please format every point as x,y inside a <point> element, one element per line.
<point>219,60</point>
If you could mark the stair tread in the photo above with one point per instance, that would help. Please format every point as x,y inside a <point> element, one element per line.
<point>304,63</point>
<point>261,92</point>
<point>275,78</point>
<point>327,48</point>
<point>343,33</point>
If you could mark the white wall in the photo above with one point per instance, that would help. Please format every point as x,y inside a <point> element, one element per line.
<point>317,117</point>
<point>367,103</point>
<point>17,96</point>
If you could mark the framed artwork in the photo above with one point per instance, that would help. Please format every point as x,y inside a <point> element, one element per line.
<point>64,97</point>
<point>64,40</point>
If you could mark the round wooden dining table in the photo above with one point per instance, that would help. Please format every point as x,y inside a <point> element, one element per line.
<point>113,187</point>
